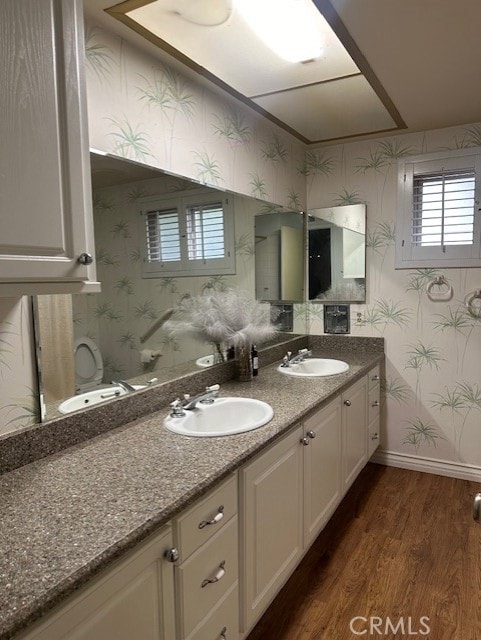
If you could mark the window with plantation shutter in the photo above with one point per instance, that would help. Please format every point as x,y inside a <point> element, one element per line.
<point>439,210</point>
<point>188,235</point>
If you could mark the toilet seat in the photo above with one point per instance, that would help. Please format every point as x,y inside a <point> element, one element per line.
<point>89,368</point>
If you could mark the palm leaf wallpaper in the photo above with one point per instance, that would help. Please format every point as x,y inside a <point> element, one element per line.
<point>433,348</point>
<point>143,110</point>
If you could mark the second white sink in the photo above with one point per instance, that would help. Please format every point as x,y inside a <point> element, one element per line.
<point>225,416</point>
<point>314,367</point>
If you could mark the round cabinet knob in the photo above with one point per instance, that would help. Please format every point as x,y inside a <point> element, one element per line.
<point>376,377</point>
<point>172,555</point>
<point>347,403</point>
<point>375,436</point>
<point>375,403</point>
<point>85,258</point>
<point>305,441</point>
<point>311,434</point>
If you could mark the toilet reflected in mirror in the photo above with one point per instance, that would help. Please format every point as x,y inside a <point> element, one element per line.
<point>89,368</point>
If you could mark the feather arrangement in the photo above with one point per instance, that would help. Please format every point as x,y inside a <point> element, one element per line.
<point>231,317</point>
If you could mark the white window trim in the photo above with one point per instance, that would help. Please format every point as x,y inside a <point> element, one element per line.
<point>185,267</point>
<point>456,256</point>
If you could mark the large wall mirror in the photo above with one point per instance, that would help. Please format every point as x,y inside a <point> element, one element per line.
<point>88,340</point>
<point>337,254</point>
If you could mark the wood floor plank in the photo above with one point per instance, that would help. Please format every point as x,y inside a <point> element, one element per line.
<point>401,546</point>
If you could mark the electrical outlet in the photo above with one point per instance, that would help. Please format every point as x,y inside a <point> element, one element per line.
<point>359,317</point>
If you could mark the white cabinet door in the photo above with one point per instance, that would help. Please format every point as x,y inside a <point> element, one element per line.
<point>322,468</point>
<point>271,499</point>
<point>354,431</point>
<point>135,599</point>
<point>45,193</point>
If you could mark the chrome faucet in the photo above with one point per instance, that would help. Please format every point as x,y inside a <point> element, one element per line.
<point>126,386</point>
<point>301,354</point>
<point>206,397</point>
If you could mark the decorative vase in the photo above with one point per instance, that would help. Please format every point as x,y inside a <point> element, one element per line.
<point>243,363</point>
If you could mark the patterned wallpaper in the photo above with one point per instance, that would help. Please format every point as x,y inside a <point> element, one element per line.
<point>433,381</point>
<point>143,110</point>
<point>18,397</point>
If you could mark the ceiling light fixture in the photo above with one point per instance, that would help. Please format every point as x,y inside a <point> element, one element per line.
<point>205,13</point>
<point>291,28</point>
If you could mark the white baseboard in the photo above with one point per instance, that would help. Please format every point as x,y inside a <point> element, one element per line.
<point>428,465</point>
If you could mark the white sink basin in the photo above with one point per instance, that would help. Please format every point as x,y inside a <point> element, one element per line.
<point>205,361</point>
<point>226,416</point>
<point>96,396</point>
<point>315,367</point>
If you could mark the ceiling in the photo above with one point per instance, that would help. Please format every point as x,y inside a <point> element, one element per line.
<point>405,65</point>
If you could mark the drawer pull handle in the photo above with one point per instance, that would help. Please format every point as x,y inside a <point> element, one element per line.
<point>376,377</point>
<point>217,518</point>
<point>348,403</point>
<point>376,403</point>
<point>219,574</point>
<point>223,634</point>
<point>375,436</point>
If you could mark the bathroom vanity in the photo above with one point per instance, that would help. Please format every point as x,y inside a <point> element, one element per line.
<point>140,532</point>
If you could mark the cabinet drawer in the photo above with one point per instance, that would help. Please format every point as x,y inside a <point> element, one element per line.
<point>374,376</point>
<point>374,403</point>
<point>223,622</point>
<point>197,597</point>
<point>206,517</point>
<point>373,436</point>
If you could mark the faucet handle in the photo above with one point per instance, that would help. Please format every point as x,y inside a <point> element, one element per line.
<point>177,409</point>
<point>214,387</point>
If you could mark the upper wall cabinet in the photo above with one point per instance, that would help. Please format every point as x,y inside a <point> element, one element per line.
<point>46,239</point>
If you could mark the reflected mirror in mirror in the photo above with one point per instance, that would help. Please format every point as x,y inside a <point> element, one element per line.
<point>279,256</point>
<point>337,254</point>
<point>89,340</point>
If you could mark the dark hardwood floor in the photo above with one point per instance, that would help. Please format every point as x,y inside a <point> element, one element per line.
<point>401,558</point>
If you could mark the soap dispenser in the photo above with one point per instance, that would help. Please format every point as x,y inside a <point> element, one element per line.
<point>255,360</point>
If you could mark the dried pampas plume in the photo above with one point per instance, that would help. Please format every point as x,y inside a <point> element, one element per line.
<point>230,316</point>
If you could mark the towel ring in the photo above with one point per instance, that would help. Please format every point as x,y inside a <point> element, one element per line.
<point>440,294</point>
<point>474,310</point>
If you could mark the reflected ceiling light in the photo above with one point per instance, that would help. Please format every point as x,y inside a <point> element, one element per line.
<point>291,28</point>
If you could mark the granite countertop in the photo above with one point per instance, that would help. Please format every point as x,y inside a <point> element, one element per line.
<point>66,516</point>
